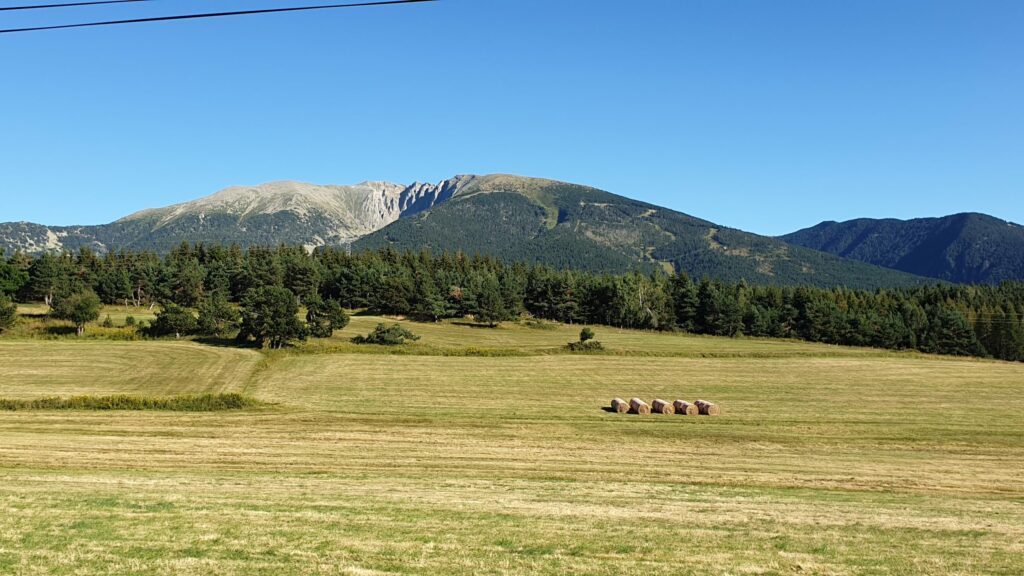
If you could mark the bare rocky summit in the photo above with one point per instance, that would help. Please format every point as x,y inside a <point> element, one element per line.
<point>285,211</point>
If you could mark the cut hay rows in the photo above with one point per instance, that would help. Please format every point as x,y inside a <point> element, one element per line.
<point>659,406</point>
<point>454,465</point>
<point>619,406</point>
<point>707,408</point>
<point>638,406</point>
<point>685,408</point>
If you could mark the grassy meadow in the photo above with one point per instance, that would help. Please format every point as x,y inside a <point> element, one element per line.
<point>487,451</point>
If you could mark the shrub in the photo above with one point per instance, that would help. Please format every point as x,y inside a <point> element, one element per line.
<point>586,342</point>
<point>588,346</point>
<point>393,335</point>
<point>538,324</point>
<point>129,321</point>
<point>181,403</point>
<point>107,322</point>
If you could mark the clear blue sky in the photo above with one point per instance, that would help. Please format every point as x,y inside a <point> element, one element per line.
<point>766,116</point>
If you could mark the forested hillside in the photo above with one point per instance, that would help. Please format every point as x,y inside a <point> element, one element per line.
<point>979,321</point>
<point>963,248</point>
<point>564,225</point>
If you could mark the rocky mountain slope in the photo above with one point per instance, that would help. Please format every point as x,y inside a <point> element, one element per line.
<point>964,248</point>
<point>288,212</point>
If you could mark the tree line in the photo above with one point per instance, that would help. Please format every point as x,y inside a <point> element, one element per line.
<point>981,321</point>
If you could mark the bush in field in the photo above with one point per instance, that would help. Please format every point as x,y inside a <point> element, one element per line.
<point>216,316</point>
<point>107,322</point>
<point>323,317</point>
<point>129,321</point>
<point>270,317</point>
<point>8,312</point>
<point>393,335</point>
<point>586,342</point>
<point>78,307</point>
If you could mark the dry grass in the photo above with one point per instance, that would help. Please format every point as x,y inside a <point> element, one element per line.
<point>117,314</point>
<point>35,323</point>
<point>826,461</point>
<point>69,368</point>
<point>455,336</point>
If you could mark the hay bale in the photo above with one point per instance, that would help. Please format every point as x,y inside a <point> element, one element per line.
<point>684,408</point>
<point>706,408</point>
<point>659,406</point>
<point>620,406</point>
<point>638,406</point>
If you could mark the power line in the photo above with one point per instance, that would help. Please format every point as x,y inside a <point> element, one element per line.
<point>68,5</point>
<point>213,15</point>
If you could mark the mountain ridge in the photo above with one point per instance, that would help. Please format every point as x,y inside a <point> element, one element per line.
<point>967,247</point>
<point>507,216</point>
<point>282,211</point>
<point>569,225</point>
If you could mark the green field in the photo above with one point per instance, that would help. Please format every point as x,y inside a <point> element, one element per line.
<point>450,458</point>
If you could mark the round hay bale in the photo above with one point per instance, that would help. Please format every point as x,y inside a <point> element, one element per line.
<point>706,408</point>
<point>619,406</point>
<point>638,406</point>
<point>684,408</point>
<point>659,406</point>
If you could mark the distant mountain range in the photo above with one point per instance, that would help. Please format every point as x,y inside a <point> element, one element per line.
<point>963,248</point>
<point>510,217</point>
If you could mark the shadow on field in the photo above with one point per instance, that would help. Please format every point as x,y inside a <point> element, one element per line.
<point>61,330</point>
<point>223,342</point>
<point>473,324</point>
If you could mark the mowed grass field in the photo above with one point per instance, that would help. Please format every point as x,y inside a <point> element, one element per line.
<point>826,460</point>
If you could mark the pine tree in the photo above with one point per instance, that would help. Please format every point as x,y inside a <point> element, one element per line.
<point>490,306</point>
<point>8,312</point>
<point>173,319</point>
<point>684,295</point>
<point>950,333</point>
<point>324,317</point>
<point>46,277</point>
<point>216,316</point>
<point>12,278</point>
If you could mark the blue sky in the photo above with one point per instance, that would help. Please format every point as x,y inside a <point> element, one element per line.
<point>765,116</point>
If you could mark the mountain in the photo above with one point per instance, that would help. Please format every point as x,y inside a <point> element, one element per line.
<point>278,212</point>
<point>564,225</point>
<point>510,217</point>
<point>963,248</point>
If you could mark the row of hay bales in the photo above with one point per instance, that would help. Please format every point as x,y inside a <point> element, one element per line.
<point>659,406</point>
